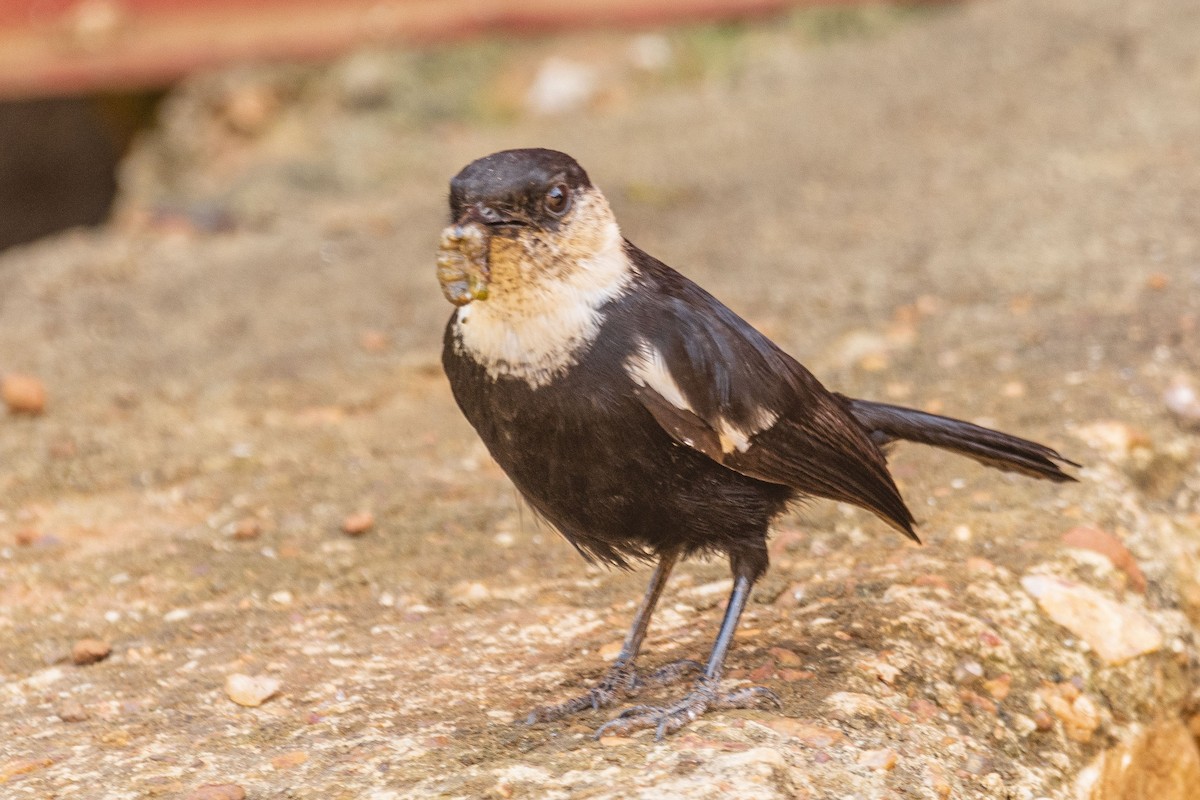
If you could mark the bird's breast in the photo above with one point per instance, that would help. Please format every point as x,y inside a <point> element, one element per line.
<point>533,345</point>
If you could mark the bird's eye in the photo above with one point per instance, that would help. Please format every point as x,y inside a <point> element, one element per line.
<point>558,199</point>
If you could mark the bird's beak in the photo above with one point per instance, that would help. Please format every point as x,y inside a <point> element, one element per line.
<point>496,221</point>
<point>483,214</point>
<point>462,261</point>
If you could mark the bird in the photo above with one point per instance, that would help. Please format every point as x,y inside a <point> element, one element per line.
<point>646,421</point>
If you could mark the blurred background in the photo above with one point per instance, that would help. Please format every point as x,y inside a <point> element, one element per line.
<point>80,78</point>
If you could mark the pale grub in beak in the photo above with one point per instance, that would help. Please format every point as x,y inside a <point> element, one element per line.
<point>462,263</point>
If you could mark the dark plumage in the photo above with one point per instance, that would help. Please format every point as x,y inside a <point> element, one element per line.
<point>639,415</point>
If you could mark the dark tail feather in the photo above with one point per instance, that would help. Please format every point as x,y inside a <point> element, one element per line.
<point>888,423</point>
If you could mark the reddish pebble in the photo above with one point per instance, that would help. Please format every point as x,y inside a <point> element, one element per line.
<point>248,110</point>
<point>89,651</point>
<point>358,524</point>
<point>762,672</point>
<point>1109,546</point>
<point>373,341</point>
<point>924,709</point>
<point>977,701</point>
<point>23,394</point>
<point>784,657</point>
<point>72,711</point>
<point>247,529</point>
<point>27,536</point>
<point>999,687</point>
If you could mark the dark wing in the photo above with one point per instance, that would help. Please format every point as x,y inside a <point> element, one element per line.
<point>717,385</point>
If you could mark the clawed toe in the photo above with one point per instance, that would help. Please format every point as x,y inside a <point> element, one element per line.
<point>623,680</point>
<point>749,697</point>
<point>620,681</point>
<point>700,700</point>
<point>670,673</point>
<point>636,711</point>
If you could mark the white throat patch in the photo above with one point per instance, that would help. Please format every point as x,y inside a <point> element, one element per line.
<point>540,332</point>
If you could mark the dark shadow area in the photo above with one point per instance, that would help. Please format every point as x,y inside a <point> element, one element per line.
<point>58,160</point>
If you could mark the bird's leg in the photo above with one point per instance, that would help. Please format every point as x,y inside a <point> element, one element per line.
<point>622,678</point>
<point>705,692</point>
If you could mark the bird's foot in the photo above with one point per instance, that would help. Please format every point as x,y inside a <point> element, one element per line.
<point>704,697</point>
<point>622,680</point>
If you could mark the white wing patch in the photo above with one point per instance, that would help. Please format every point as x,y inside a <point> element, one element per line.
<point>733,437</point>
<point>649,369</point>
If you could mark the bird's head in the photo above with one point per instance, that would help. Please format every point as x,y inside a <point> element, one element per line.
<point>522,223</point>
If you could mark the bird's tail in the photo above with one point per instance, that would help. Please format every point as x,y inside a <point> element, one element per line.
<point>887,423</point>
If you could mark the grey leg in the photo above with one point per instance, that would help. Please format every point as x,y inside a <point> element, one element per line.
<point>705,694</point>
<point>641,619</point>
<point>622,679</point>
<point>729,623</point>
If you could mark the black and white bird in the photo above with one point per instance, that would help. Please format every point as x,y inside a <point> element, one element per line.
<point>641,417</point>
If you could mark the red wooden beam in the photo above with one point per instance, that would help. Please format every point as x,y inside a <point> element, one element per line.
<point>74,46</point>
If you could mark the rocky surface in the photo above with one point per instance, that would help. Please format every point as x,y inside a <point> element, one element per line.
<point>248,479</point>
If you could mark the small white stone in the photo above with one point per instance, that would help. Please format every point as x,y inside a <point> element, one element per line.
<point>251,691</point>
<point>43,678</point>
<point>1182,400</point>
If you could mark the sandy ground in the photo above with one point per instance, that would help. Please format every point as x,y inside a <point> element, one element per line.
<point>991,210</point>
